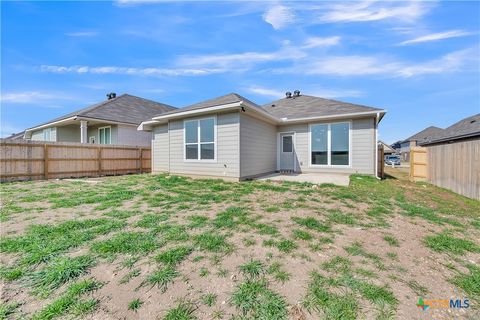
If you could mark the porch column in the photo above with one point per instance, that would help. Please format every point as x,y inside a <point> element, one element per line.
<point>83,131</point>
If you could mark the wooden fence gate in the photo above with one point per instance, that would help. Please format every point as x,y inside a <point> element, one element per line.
<point>418,164</point>
<point>28,160</point>
<point>380,162</point>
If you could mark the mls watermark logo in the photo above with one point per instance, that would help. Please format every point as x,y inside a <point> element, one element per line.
<point>426,304</point>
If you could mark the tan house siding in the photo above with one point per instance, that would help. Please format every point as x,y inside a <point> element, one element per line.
<point>227,163</point>
<point>258,146</point>
<point>363,147</point>
<point>160,149</point>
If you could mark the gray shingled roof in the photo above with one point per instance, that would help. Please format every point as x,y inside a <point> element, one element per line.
<point>425,134</point>
<point>305,106</point>
<point>465,128</point>
<point>226,99</point>
<point>124,108</point>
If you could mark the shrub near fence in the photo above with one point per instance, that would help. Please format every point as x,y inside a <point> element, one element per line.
<point>28,160</point>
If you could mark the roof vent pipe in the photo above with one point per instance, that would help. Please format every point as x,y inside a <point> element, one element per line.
<point>288,94</point>
<point>296,93</point>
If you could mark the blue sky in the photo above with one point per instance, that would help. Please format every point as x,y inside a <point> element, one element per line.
<point>418,60</point>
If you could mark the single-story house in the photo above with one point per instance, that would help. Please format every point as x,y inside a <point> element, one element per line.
<point>453,157</point>
<point>387,150</point>
<point>113,121</point>
<point>416,139</point>
<point>231,136</point>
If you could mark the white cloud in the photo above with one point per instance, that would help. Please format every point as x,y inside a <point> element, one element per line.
<point>319,92</point>
<point>448,63</point>
<point>279,16</point>
<point>374,11</point>
<point>82,34</point>
<point>153,71</point>
<point>26,97</point>
<point>242,61</point>
<point>438,36</point>
<point>358,65</point>
<point>272,93</point>
<point>314,42</point>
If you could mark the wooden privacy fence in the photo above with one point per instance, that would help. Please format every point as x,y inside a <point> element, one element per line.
<point>454,166</point>
<point>27,160</point>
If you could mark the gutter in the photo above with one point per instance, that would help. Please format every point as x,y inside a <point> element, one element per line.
<point>377,121</point>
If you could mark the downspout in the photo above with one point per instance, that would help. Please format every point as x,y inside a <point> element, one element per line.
<point>168,128</point>
<point>376,146</point>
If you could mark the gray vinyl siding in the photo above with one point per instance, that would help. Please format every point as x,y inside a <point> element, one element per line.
<point>363,148</point>
<point>70,133</point>
<point>130,136</point>
<point>227,163</point>
<point>258,146</point>
<point>160,149</point>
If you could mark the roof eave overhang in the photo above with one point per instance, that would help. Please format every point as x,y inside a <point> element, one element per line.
<point>377,113</point>
<point>450,139</point>
<point>237,106</point>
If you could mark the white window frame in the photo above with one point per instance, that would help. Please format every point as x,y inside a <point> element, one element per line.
<point>47,131</point>
<point>329,146</point>
<point>198,143</point>
<point>110,131</point>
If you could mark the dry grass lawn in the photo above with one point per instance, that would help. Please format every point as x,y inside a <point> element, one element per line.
<point>168,247</point>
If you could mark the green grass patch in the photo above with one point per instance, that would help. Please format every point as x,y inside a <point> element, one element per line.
<point>302,235</point>
<point>174,256</point>
<point>209,299</point>
<point>43,242</point>
<point>391,240</point>
<point>444,242</point>
<point>210,241</point>
<point>59,271</point>
<point>328,304</point>
<point>338,217</point>
<point>231,218</point>
<point>151,220</point>
<point>311,223</point>
<point>126,242</point>
<point>7,309</point>
<point>470,282</point>
<point>183,311</point>
<point>256,301</point>
<point>252,269</point>
<point>68,302</point>
<point>135,304</point>
<point>11,273</point>
<point>162,278</point>
<point>197,221</point>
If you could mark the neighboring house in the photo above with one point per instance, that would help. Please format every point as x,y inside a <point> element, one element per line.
<point>387,150</point>
<point>396,145</point>
<point>113,121</point>
<point>16,136</point>
<point>454,157</point>
<point>417,138</point>
<point>232,137</point>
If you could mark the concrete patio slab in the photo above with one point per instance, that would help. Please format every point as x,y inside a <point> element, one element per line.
<point>340,179</point>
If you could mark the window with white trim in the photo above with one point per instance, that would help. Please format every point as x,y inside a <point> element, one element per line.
<point>47,134</point>
<point>105,135</point>
<point>330,144</point>
<point>200,139</point>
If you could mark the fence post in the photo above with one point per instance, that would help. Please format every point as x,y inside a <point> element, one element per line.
<point>45,161</point>
<point>99,154</point>
<point>412,167</point>
<point>141,160</point>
